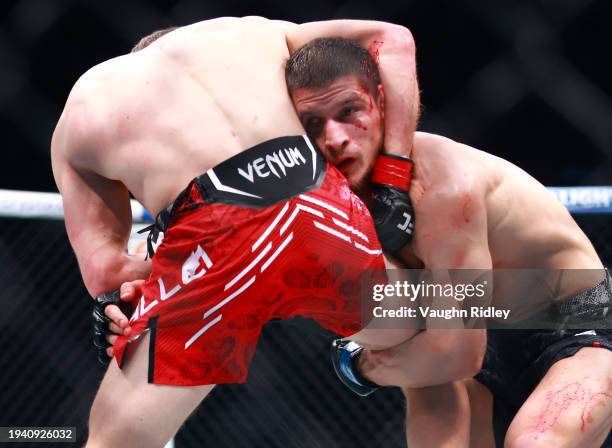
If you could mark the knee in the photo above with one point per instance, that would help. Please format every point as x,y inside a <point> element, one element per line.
<point>119,433</point>
<point>520,441</point>
<point>526,441</point>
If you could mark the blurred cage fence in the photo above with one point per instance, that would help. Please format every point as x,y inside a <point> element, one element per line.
<point>49,372</point>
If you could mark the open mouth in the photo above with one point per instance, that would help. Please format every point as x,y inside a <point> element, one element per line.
<point>345,165</point>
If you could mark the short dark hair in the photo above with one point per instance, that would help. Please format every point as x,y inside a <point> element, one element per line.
<point>324,60</point>
<point>148,40</point>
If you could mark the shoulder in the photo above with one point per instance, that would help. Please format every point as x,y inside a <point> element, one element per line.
<point>447,170</point>
<point>84,117</point>
<point>91,91</point>
<point>447,152</point>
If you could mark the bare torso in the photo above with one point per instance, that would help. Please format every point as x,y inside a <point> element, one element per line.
<point>190,100</point>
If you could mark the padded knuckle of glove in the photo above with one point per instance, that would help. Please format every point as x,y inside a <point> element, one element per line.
<point>391,207</point>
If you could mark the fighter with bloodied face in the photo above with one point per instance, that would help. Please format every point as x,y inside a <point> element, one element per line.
<point>473,211</point>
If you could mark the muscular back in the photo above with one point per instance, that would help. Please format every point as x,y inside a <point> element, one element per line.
<point>197,96</point>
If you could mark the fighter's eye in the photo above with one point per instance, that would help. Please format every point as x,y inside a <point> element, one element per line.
<point>348,111</point>
<point>313,126</point>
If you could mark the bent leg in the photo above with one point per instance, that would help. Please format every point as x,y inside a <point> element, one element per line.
<point>481,415</point>
<point>571,407</point>
<point>130,412</point>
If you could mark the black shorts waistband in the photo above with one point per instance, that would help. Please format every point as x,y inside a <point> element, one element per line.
<point>266,174</point>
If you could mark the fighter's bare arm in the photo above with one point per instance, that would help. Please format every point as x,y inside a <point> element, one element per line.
<point>453,218</point>
<point>96,209</point>
<point>453,235</point>
<point>393,48</point>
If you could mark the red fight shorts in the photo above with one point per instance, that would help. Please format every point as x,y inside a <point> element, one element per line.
<point>274,232</point>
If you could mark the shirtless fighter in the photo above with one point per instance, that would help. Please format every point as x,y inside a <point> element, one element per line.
<point>250,234</point>
<point>476,211</point>
<point>451,185</point>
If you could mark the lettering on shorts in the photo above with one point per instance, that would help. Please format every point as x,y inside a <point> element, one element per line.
<point>275,163</point>
<point>194,268</point>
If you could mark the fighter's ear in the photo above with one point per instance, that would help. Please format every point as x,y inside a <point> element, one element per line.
<point>380,100</point>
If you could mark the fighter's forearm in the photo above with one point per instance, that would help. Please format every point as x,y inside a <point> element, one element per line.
<point>98,220</point>
<point>397,64</point>
<point>430,358</point>
<point>109,267</point>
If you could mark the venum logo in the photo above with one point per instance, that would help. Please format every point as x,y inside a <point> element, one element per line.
<point>275,163</point>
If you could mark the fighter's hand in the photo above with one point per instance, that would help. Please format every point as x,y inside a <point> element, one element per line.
<point>391,206</point>
<point>119,321</point>
<point>110,318</point>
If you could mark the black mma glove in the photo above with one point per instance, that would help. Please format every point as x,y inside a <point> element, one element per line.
<point>101,321</point>
<point>391,207</point>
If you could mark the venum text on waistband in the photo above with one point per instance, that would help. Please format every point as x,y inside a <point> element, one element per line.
<point>277,161</point>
